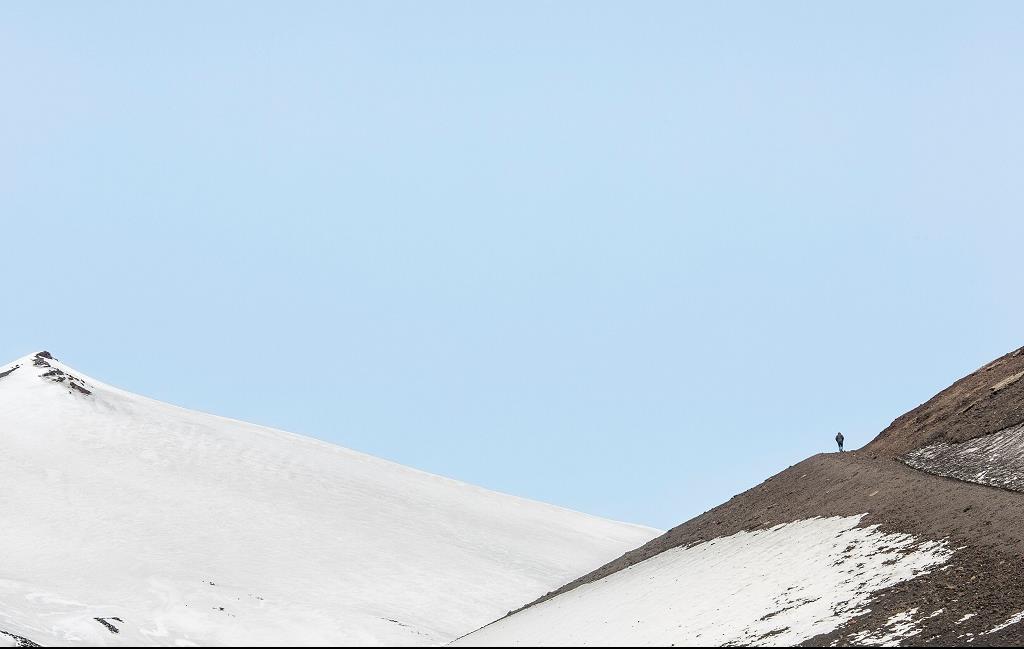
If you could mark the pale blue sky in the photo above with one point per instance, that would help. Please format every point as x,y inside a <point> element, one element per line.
<point>628,258</point>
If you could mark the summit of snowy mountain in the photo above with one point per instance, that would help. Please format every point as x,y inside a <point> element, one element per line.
<point>128,521</point>
<point>54,372</point>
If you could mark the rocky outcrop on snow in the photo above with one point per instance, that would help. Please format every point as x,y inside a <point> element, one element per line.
<point>56,375</point>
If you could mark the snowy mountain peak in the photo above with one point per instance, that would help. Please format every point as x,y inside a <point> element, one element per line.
<point>44,366</point>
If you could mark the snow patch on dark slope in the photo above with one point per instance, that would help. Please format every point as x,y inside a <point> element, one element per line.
<point>126,521</point>
<point>777,586</point>
<point>996,459</point>
<point>975,595</point>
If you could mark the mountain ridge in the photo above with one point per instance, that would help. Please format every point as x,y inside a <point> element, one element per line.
<point>983,604</point>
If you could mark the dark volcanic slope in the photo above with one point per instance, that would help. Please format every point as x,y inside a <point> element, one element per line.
<point>986,401</point>
<point>986,573</point>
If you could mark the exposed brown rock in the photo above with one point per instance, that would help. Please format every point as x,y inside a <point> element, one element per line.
<point>985,575</point>
<point>986,401</point>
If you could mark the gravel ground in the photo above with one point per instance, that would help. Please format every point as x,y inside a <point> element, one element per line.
<point>981,588</point>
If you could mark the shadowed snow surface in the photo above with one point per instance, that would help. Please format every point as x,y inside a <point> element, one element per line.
<point>996,460</point>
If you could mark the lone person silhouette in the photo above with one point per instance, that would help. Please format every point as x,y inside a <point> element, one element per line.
<point>839,440</point>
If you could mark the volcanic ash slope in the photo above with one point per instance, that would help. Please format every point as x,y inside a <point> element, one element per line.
<point>126,521</point>
<point>915,539</point>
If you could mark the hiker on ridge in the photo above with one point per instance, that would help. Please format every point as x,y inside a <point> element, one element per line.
<point>839,440</point>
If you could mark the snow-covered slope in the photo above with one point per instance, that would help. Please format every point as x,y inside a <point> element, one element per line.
<point>778,587</point>
<point>128,521</point>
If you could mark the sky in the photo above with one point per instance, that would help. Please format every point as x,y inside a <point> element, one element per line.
<point>629,258</point>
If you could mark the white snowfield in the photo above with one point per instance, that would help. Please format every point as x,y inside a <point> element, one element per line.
<point>126,521</point>
<point>775,587</point>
